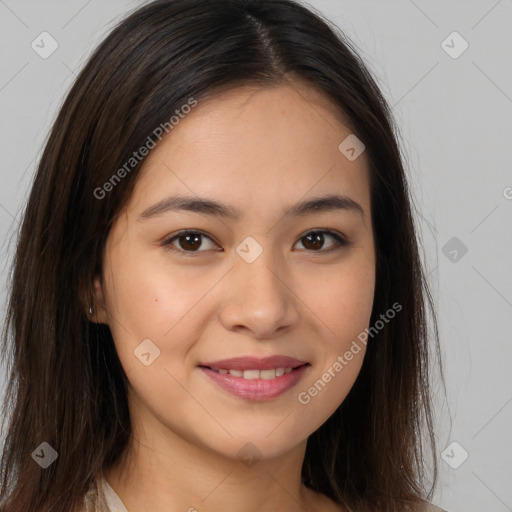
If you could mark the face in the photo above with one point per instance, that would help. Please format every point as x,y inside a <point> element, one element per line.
<point>256,280</point>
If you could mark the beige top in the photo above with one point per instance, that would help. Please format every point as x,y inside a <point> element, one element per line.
<point>102,498</point>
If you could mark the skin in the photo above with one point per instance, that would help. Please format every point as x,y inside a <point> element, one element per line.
<point>260,151</point>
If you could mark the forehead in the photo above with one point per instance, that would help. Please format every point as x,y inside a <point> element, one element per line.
<point>261,144</point>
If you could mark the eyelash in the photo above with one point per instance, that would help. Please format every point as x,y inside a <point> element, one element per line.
<point>341,241</point>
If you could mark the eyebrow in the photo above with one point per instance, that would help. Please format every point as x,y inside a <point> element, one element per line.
<point>211,207</point>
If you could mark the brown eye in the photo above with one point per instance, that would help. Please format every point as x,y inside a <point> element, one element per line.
<point>315,240</point>
<point>191,242</point>
<point>187,241</point>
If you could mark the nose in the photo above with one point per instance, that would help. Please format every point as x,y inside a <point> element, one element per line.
<point>259,298</point>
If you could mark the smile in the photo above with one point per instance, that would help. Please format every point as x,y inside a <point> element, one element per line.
<point>255,374</point>
<point>254,384</point>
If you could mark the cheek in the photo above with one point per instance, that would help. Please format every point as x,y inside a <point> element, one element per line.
<point>342,300</point>
<point>146,302</point>
<point>146,297</point>
<point>342,305</point>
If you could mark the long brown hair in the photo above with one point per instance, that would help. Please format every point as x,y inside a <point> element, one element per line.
<point>66,386</point>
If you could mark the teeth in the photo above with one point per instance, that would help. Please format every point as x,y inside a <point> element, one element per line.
<point>251,374</point>
<point>256,374</point>
<point>267,374</point>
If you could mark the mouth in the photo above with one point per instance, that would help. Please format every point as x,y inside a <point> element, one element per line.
<point>256,384</point>
<point>251,374</point>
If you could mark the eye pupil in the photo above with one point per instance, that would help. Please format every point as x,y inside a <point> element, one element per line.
<point>196,238</point>
<point>314,241</point>
<point>317,242</point>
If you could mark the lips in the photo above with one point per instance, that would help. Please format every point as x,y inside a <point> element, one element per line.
<point>256,379</point>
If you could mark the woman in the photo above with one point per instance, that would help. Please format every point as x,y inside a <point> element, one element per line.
<point>217,301</point>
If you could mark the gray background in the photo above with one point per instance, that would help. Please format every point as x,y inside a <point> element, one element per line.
<point>455,117</point>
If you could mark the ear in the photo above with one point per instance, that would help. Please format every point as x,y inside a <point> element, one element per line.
<point>99,310</point>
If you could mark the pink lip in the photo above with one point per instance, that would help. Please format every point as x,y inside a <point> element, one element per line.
<point>255,363</point>
<point>256,389</point>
